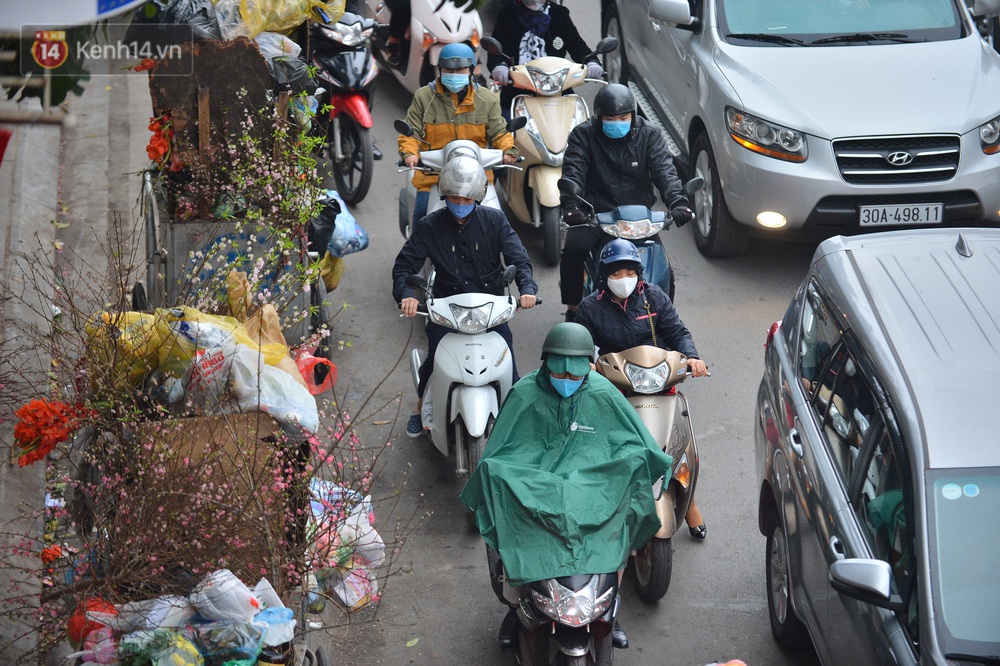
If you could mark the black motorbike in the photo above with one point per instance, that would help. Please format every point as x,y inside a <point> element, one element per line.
<point>346,68</point>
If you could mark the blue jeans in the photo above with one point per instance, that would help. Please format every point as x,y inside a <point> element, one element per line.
<point>420,205</point>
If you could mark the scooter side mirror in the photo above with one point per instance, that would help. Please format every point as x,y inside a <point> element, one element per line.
<point>567,186</point>
<point>606,45</point>
<point>491,46</point>
<point>694,185</point>
<point>517,123</point>
<point>402,127</point>
<point>508,274</point>
<point>416,282</point>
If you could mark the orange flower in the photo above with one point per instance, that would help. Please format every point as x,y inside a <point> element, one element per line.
<point>144,64</point>
<point>42,426</point>
<point>158,148</point>
<point>51,554</point>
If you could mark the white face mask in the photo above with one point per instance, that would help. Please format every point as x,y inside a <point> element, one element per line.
<point>622,287</point>
<point>533,5</point>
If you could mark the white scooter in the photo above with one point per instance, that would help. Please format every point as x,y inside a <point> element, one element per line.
<point>432,161</point>
<point>433,25</point>
<point>473,369</point>
<point>551,112</point>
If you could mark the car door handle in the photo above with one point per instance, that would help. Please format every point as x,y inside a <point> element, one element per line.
<point>837,548</point>
<point>793,434</point>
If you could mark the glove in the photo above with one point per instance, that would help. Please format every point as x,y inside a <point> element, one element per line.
<point>594,70</point>
<point>573,216</point>
<point>681,215</point>
<point>501,74</point>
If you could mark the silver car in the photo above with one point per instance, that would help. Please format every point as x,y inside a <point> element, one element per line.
<point>877,448</point>
<point>818,117</point>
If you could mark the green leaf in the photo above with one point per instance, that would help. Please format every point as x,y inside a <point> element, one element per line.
<point>412,642</point>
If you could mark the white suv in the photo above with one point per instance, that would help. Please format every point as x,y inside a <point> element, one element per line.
<point>810,118</point>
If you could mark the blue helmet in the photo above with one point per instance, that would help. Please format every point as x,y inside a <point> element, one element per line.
<point>456,56</point>
<point>619,254</point>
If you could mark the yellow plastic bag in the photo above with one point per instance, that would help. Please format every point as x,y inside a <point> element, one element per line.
<point>126,344</point>
<point>283,15</point>
<point>179,350</point>
<point>331,270</point>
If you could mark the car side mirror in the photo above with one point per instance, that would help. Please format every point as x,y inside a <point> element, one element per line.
<point>402,127</point>
<point>672,13</point>
<point>868,581</point>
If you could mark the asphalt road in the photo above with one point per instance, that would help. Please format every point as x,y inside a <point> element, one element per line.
<point>439,594</point>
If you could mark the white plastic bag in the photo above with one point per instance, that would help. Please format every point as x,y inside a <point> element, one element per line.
<point>273,45</point>
<point>205,378</point>
<point>223,596</point>
<point>357,530</point>
<point>257,385</point>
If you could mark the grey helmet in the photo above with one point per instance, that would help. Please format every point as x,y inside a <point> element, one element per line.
<point>463,176</point>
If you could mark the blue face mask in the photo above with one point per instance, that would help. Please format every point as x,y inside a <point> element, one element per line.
<point>566,387</point>
<point>616,129</point>
<point>455,82</point>
<point>460,211</point>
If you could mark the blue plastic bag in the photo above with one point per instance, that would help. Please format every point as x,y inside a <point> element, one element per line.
<point>348,236</point>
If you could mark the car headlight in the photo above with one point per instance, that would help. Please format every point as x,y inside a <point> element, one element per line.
<point>547,83</point>
<point>647,380</point>
<point>574,609</point>
<point>633,229</point>
<point>989,136</point>
<point>766,138</point>
<point>472,320</point>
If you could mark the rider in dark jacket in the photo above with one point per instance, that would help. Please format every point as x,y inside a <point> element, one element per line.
<point>626,312</point>
<point>464,242</point>
<point>529,29</point>
<point>617,158</point>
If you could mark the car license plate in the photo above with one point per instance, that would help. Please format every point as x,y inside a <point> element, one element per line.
<point>883,216</point>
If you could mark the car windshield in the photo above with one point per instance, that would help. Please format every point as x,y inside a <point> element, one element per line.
<point>838,22</point>
<point>964,526</point>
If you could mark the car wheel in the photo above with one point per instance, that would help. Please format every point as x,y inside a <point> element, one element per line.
<point>786,627</point>
<point>716,233</point>
<point>615,63</point>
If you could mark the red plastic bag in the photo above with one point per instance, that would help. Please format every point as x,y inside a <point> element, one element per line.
<point>319,374</point>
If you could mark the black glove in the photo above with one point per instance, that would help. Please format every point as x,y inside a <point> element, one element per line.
<point>681,215</point>
<point>573,216</point>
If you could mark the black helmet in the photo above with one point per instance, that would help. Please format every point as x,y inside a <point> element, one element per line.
<point>616,255</point>
<point>614,99</point>
<point>568,339</point>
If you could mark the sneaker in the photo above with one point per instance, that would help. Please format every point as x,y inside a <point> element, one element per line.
<point>376,152</point>
<point>414,427</point>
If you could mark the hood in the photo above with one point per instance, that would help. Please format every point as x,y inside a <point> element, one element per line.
<point>838,91</point>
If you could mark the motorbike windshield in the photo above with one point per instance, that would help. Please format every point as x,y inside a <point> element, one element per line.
<point>838,22</point>
<point>565,484</point>
<point>964,529</point>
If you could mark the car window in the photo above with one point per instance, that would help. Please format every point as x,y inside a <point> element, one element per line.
<point>845,406</point>
<point>883,506</point>
<point>819,333</point>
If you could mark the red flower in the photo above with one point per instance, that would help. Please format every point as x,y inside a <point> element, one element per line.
<point>158,149</point>
<point>144,64</point>
<point>42,426</point>
<point>51,554</point>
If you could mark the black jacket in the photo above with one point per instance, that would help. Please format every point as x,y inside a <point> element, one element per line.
<point>616,172</point>
<point>616,328</point>
<point>467,258</point>
<point>509,31</point>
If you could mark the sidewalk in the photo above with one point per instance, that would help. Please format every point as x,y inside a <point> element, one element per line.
<point>66,185</point>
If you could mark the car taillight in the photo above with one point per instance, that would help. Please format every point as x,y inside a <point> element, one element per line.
<point>770,333</point>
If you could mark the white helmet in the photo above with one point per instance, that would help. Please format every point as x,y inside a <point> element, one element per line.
<point>463,176</point>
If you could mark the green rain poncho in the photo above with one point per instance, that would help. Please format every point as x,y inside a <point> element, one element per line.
<point>565,484</point>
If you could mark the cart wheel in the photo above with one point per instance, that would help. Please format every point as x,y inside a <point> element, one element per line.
<point>321,658</point>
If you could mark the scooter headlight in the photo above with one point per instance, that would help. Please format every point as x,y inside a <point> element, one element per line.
<point>348,35</point>
<point>521,109</point>
<point>633,229</point>
<point>471,320</point>
<point>647,380</point>
<point>504,316</point>
<point>548,83</point>
<point>580,114</point>
<point>574,609</point>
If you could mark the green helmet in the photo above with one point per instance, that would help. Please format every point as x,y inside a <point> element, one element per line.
<point>568,339</point>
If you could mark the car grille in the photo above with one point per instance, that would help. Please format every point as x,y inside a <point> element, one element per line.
<point>897,159</point>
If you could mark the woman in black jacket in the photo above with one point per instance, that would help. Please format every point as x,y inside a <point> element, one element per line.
<point>529,29</point>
